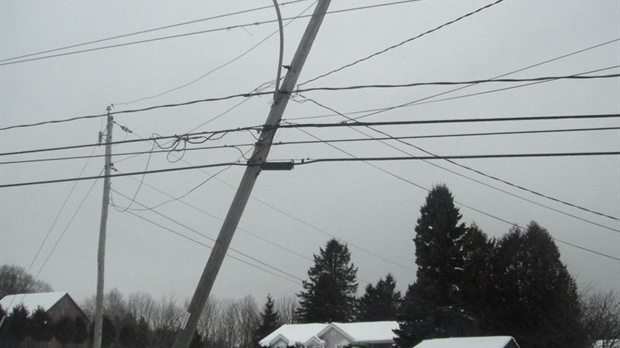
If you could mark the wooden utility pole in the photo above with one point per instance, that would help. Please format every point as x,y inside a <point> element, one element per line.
<point>261,151</point>
<point>102,232</point>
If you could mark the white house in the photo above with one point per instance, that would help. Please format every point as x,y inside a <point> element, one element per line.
<point>334,335</point>
<point>470,342</point>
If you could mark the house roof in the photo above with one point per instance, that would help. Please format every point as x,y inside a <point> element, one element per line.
<point>293,334</point>
<point>31,301</point>
<point>468,342</point>
<point>365,332</point>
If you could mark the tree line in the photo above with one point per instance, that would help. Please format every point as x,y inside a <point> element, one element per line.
<point>467,284</point>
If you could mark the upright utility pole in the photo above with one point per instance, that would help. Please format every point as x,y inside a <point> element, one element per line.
<point>261,151</point>
<point>102,232</point>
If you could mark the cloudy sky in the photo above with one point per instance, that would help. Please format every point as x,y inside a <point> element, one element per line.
<point>161,226</point>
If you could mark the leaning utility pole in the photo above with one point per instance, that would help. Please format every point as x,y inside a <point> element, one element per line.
<point>102,232</point>
<point>258,159</point>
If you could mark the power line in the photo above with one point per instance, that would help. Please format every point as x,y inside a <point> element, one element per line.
<point>459,203</point>
<point>421,101</point>
<point>209,247</point>
<point>452,83</point>
<point>401,43</point>
<point>235,59</point>
<point>476,171</point>
<point>207,237</point>
<point>319,160</point>
<point>166,170</point>
<point>204,136</point>
<point>410,158</point>
<point>253,94</point>
<point>146,31</point>
<point>183,35</point>
<point>306,142</point>
<point>355,123</point>
<point>180,200</point>
<point>274,208</point>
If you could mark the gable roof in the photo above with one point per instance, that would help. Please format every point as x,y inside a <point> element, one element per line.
<point>293,334</point>
<point>31,301</point>
<point>468,342</point>
<point>365,332</point>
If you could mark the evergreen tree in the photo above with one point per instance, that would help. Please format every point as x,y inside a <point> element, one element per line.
<point>380,303</point>
<point>329,294</point>
<point>18,324</point>
<point>81,330</point>
<point>65,330</point>
<point>269,321</point>
<point>3,325</point>
<point>536,294</point>
<point>434,305</point>
<point>41,326</point>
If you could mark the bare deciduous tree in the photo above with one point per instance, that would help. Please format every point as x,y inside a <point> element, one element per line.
<point>141,305</point>
<point>286,307</point>
<point>601,313</point>
<point>167,314</point>
<point>208,325</point>
<point>16,280</point>
<point>250,319</point>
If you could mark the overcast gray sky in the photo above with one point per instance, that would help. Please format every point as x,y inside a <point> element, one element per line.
<point>371,206</point>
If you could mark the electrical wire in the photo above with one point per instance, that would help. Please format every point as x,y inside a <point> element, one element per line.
<point>281,55</point>
<point>484,174</point>
<point>307,161</point>
<point>401,43</point>
<point>474,82</point>
<point>180,200</point>
<point>208,247</point>
<point>146,31</point>
<point>207,237</point>
<point>259,93</point>
<point>191,34</point>
<point>62,207</point>
<point>309,142</point>
<point>481,173</point>
<point>156,171</point>
<point>278,210</point>
<point>233,60</point>
<point>65,229</point>
<point>457,202</point>
<point>422,100</point>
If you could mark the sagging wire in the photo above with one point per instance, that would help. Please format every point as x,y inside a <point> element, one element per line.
<point>243,155</point>
<point>179,144</point>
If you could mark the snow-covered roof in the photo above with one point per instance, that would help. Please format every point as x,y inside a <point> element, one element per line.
<point>31,301</point>
<point>366,332</point>
<point>467,342</point>
<point>293,334</point>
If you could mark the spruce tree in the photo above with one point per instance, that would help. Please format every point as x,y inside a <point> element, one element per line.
<point>381,302</point>
<point>65,330</point>
<point>269,321</point>
<point>434,305</point>
<point>41,325</point>
<point>536,296</point>
<point>329,294</point>
<point>17,324</point>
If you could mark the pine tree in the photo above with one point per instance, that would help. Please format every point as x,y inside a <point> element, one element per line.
<point>380,303</point>
<point>41,325</point>
<point>537,296</point>
<point>65,330</point>
<point>17,324</point>
<point>434,305</point>
<point>269,321</point>
<point>329,294</point>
